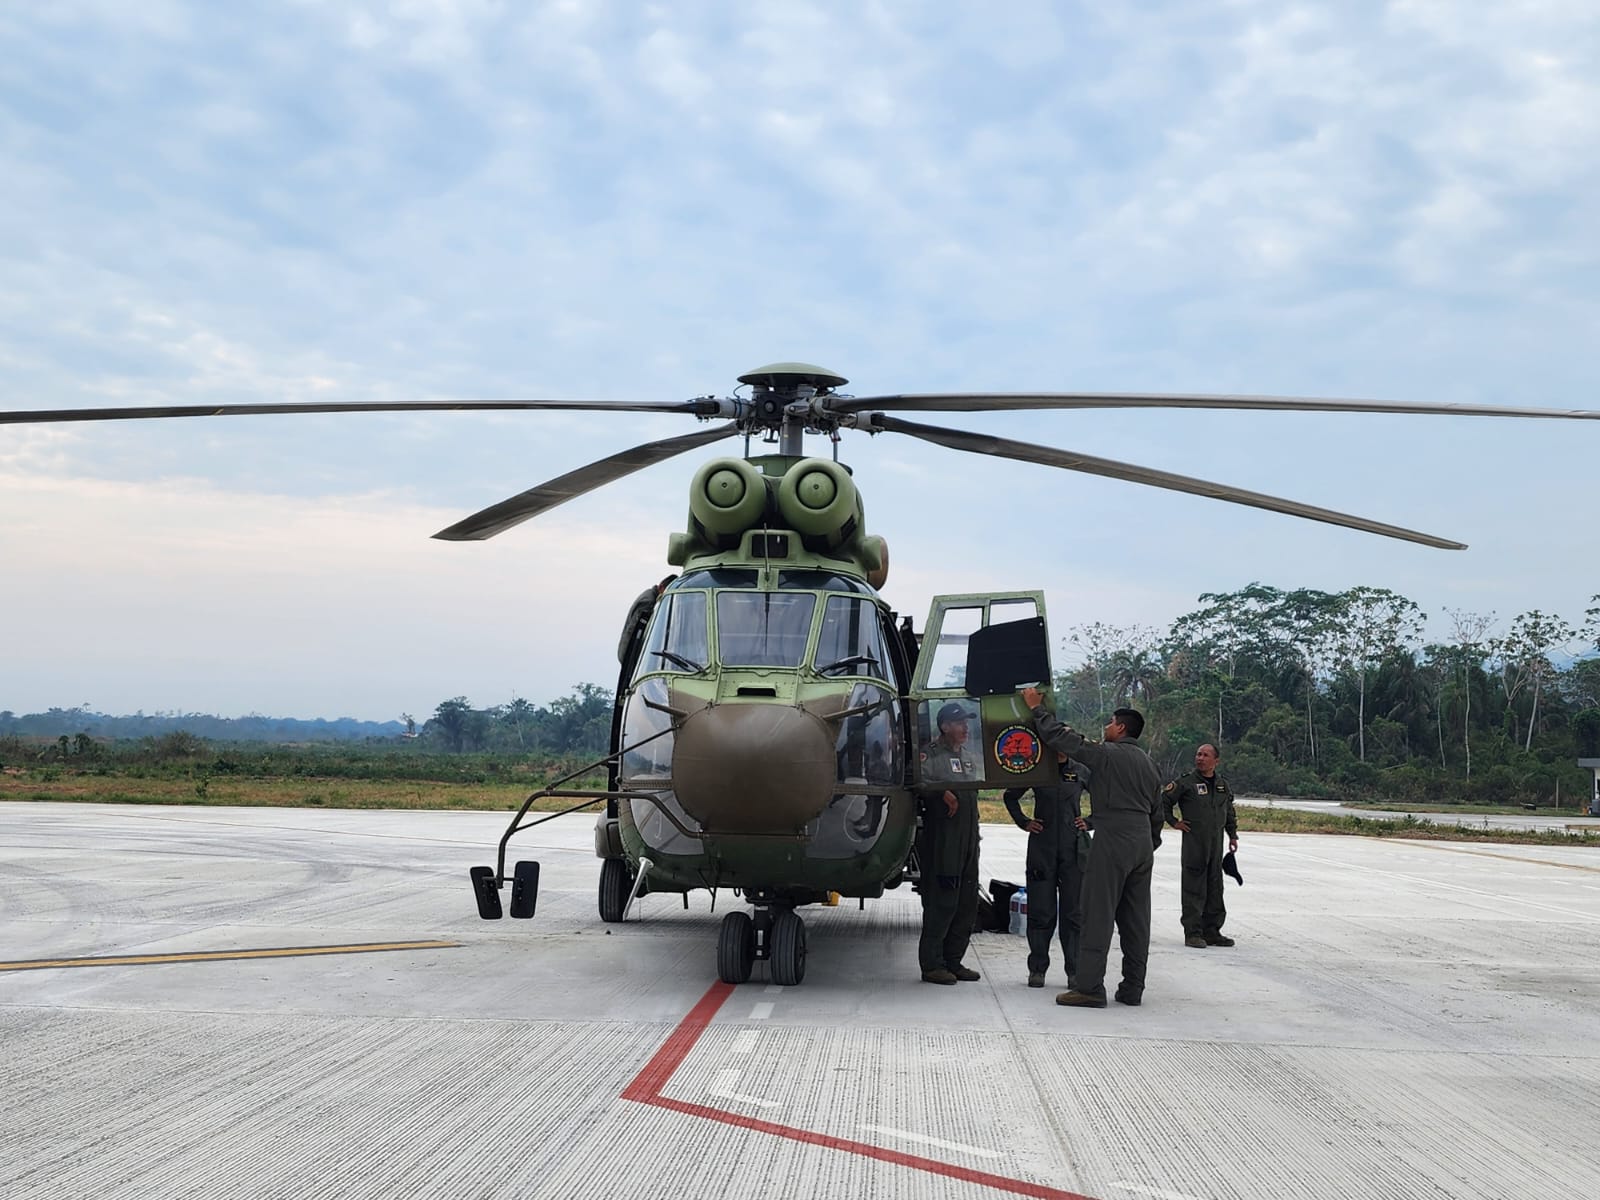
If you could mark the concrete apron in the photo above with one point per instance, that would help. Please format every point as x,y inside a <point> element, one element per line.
<point>1399,1019</point>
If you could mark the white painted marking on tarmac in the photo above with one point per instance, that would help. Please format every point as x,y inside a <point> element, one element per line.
<point>762,1011</point>
<point>745,1041</point>
<point>728,1080</point>
<point>773,989</point>
<point>756,1100</point>
<point>923,1139</point>
<point>1158,1193</point>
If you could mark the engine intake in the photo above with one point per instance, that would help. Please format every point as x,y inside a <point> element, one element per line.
<point>728,496</point>
<point>818,499</point>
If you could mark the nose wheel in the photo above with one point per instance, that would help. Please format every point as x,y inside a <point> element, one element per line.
<point>788,949</point>
<point>736,948</point>
<point>777,936</point>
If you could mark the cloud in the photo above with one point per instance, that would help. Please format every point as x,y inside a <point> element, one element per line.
<point>383,201</point>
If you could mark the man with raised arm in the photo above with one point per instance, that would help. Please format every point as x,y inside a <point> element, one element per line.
<point>1127,827</point>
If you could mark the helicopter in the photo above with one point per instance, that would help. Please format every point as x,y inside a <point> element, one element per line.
<point>770,705</point>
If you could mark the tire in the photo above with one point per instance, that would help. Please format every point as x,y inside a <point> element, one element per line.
<point>736,948</point>
<point>616,881</point>
<point>788,949</point>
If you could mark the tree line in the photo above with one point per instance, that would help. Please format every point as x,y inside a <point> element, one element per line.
<point>579,722</point>
<point>1309,692</point>
<point>81,720</point>
<point>1305,692</point>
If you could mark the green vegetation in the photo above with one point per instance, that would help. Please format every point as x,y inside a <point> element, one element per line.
<point>578,723</point>
<point>1308,693</point>
<point>461,758</point>
<point>178,768</point>
<point>1334,695</point>
<point>1285,820</point>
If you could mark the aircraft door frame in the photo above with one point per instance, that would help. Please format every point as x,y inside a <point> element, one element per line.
<point>1004,743</point>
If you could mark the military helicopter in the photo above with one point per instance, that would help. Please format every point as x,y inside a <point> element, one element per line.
<point>770,704</point>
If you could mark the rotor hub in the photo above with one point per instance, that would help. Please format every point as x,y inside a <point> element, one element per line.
<point>789,376</point>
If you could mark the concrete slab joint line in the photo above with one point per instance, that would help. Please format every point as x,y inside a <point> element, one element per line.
<point>647,1086</point>
<point>193,956</point>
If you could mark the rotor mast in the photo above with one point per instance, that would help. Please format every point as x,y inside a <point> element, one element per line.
<point>783,401</point>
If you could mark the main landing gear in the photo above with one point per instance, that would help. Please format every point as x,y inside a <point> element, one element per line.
<point>616,885</point>
<point>775,934</point>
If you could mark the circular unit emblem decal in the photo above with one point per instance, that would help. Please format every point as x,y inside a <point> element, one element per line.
<point>1017,749</point>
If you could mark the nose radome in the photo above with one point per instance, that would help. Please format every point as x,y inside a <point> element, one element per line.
<point>753,768</point>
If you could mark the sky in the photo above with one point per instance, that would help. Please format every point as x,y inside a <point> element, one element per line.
<point>423,199</point>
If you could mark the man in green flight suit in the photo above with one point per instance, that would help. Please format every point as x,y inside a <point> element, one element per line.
<point>1058,851</point>
<point>1200,804</point>
<point>947,849</point>
<point>1127,829</point>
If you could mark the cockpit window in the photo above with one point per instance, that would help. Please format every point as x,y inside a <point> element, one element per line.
<point>677,637</point>
<point>822,581</point>
<point>719,577</point>
<point>763,629</point>
<point>851,642</point>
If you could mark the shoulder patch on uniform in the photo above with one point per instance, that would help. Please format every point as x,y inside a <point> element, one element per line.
<point>1170,787</point>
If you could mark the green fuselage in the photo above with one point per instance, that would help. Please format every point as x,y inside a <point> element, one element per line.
<point>772,681</point>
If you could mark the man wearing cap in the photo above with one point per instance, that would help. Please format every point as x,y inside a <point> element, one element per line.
<point>947,849</point>
<point>1200,805</point>
<point>1127,829</point>
<point>1058,851</point>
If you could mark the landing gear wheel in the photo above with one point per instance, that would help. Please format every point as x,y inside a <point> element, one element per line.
<point>736,948</point>
<point>616,881</point>
<point>788,949</point>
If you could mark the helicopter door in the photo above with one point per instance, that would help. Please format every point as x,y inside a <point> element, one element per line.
<point>978,652</point>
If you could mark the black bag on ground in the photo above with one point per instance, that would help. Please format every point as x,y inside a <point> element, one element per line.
<point>1000,892</point>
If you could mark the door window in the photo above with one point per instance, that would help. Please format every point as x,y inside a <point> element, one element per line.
<point>948,666</point>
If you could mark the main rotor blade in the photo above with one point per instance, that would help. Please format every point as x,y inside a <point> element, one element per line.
<point>46,415</point>
<point>981,443</point>
<point>498,518</point>
<point>996,401</point>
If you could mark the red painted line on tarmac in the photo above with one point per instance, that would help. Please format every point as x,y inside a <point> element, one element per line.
<point>647,1084</point>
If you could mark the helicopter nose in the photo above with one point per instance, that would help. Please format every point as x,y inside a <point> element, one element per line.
<point>753,768</point>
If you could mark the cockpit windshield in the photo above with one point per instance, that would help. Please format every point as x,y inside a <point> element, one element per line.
<point>851,642</point>
<point>677,637</point>
<point>763,629</point>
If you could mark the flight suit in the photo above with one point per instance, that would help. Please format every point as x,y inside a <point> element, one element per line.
<point>638,613</point>
<point>1207,805</point>
<point>1057,856</point>
<point>947,849</point>
<point>1127,829</point>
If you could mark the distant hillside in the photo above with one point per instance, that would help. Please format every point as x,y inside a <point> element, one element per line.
<point>254,728</point>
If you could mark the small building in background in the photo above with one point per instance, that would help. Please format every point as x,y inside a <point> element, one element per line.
<point>1594,800</point>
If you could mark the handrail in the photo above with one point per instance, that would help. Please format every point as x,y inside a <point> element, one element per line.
<point>555,789</point>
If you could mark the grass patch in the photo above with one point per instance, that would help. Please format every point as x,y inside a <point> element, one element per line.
<point>1288,820</point>
<point>302,791</point>
<point>288,791</point>
<point>1473,810</point>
